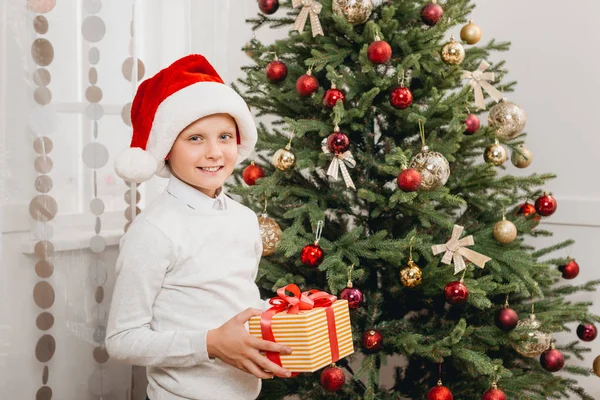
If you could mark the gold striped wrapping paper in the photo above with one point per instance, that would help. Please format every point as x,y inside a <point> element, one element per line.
<point>306,333</point>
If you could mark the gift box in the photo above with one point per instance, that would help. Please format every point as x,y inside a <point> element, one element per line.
<point>315,324</point>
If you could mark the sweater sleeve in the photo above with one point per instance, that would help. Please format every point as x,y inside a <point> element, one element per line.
<point>145,256</point>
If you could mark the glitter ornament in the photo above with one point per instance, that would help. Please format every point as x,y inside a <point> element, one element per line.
<point>433,167</point>
<point>533,343</point>
<point>493,393</point>
<point>332,378</point>
<point>439,392</point>
<point>453,53</point>
<point>508,119</point>
<point>270,233</point>
<point>356,12</point>
<point>379,52</point>
<point>307,84</point>
<point>495,154</point>
<point>276,71</point>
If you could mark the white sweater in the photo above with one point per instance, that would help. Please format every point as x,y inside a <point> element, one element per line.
<point>187,264</point>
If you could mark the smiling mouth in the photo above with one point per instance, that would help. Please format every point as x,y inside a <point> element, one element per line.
<point>210,169</point>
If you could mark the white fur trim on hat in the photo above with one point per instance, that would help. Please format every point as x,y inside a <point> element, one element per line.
<point>191,103</point>
<point>135,165</point>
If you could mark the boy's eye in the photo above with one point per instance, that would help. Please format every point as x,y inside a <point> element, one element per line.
<point>226,136</point>
<point>195,138</point>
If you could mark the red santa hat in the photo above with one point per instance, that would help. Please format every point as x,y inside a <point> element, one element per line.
<point>165,104</point>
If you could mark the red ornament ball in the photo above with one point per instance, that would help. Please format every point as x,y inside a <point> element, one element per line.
<point>332,379</point>
<point>456,293</point>
<point>506,319</point>
<point>493,394</point>
<point>307,85</point>
<point>528,210</point>
<point>431,13</point>
<point>552,360</point>
<point>587,332</point>
<point>472,124</point>
<point>372,340</point>
<point>312,255</point>
<point>379,52</point>
<point>354,297</point>
<point>570,270</point>
<point>338,142</point>
<point>401,98</point>
<point>332,96</point>
<point>439,392</point>
<point>251,173</point>
<point>545,205</point>
<point>276,71</point>
<point>409,180</point>
<point>268,6</point>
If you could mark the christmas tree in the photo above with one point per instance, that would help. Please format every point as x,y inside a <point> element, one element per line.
<point>390,194</point>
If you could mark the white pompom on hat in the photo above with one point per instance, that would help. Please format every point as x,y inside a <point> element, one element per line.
<point>167,103</point>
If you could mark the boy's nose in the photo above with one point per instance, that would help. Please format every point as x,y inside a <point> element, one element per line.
<point>213,151</point>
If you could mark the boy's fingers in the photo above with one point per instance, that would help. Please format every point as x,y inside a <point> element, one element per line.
<point>255,370</point>
<point>266,364</point>
<point>265,345</point>
<point>248,313</point>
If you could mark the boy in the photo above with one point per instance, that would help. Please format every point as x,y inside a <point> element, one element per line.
<point>187,264</point>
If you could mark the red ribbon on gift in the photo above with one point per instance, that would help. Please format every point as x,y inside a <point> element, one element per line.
<point>300,301</point>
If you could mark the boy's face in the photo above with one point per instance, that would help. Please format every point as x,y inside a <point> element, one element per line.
<point>205,153</point>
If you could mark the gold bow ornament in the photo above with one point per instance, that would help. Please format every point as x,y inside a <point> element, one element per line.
<point>312,8</point>
<point>455,249</point>
<point>339,163</point>
<point>479,80</point>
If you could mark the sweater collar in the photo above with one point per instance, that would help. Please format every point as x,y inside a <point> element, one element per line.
<point>194,198</point>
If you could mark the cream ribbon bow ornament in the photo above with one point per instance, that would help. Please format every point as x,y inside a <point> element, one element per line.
<point>455,249</point>
<point>339,163</point>
<point>312,8</point>
<point>479,80</point>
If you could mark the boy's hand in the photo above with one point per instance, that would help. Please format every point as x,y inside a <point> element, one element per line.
<point>235,346</point>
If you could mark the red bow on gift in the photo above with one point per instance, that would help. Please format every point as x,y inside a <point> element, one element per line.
<point>300,301</point>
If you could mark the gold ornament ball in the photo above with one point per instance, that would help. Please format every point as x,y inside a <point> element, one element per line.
<point>270,233</point>
<point>495,154</point>
<point>597,366</point>
<point>534,343</point>
<point>284,159</point>
<point>411,275</point>
<point>433,166</point>
<point>508,119</point>
<point>505,231</point>
<point>522,159</point>
<point>453,52</point>
<point>470,33</point>
<point>356,12</point>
